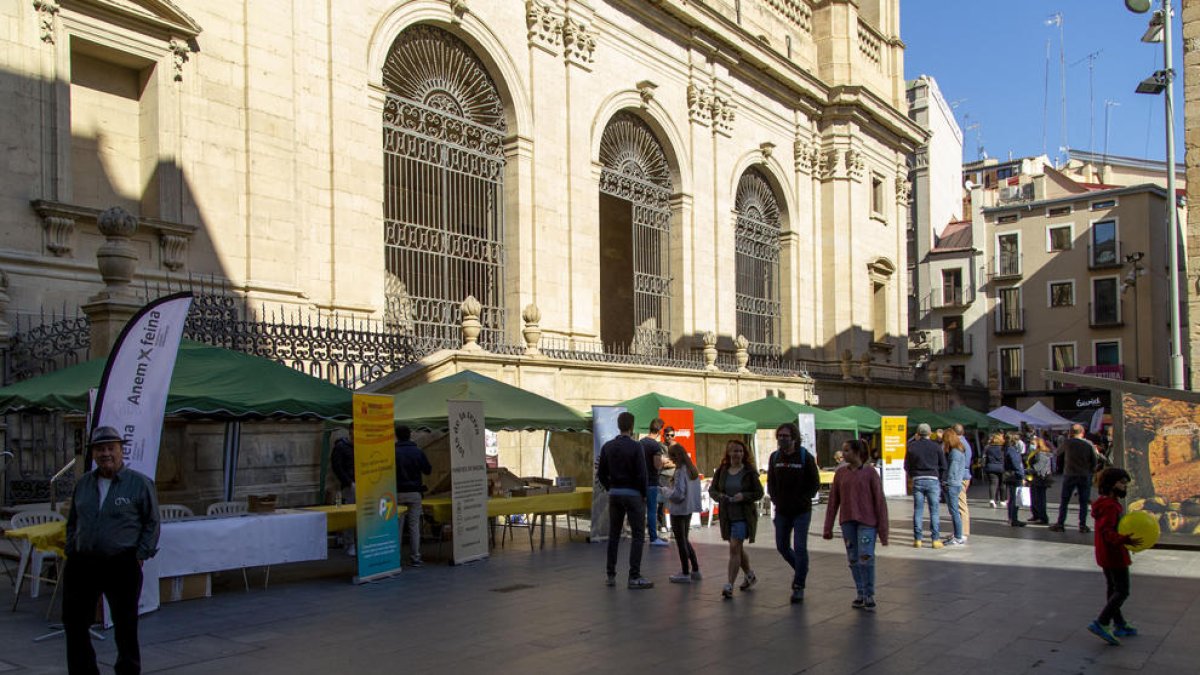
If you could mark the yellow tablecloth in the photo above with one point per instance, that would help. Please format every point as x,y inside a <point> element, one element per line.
<point>579,500</point>
<point>50,537</point>
<point>344,517</point>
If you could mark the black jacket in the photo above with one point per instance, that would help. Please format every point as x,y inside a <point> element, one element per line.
<point>993,459</point>
<point>925,458</point>
<point>622,464</point>
<point>411,463</point>
<point>341,460</point>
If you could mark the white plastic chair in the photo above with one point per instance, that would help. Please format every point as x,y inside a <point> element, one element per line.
<point>174,512</point>
<point>26,519</point>
<point>227,508</point>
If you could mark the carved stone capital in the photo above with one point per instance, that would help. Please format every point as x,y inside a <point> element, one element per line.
<point>903,186</point>
<point>60,232</point>
<point>765,151</point>
<point>646,91</point>
<point>855,164</point>
<point>723,114</point>
<point>828,164</point>
<point>47,10</point>
<point>699,104</point>
<point>807,155</point>
<point>579,43</point>
<point>545,29</point>
<point>180,53</point>
<point>458,8</point>
<point>174,251</point>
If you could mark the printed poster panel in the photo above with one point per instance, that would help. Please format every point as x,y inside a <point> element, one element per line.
<point>807,422</point>
<point>376,523</point>
<point>604,429</point>
<point>685,427</point>
<point>1162,454</point>
<point>894,433</point>
<point>468,480</point>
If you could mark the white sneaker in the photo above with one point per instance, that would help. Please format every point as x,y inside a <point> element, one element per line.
<point>992,502</point>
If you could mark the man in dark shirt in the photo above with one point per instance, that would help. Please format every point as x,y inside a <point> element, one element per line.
<point>341,460</point>
<point>792,482</point>
<point>654,452</point>
<point>411,464</point>
<point>621,469</point>
<point>1077,457</point>
<point>926,466</point>
<point>112,529</point>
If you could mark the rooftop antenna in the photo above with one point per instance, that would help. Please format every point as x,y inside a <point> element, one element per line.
<point>1091,61</point>
<point>1056,19</point>
<point>1109,104</point>
<point>979,150</point>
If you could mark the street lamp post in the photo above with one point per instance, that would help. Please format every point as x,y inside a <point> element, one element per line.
<point>1134,261</point>
<point>1163,82</point>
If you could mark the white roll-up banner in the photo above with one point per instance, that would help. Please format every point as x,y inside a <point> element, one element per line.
<point>137,377</point>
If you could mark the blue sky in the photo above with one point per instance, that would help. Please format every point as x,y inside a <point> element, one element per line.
<point>989,60</point>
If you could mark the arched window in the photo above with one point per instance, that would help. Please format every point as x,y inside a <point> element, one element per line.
<point>635,227</point>
<point>756,247</point>
<point>443,140</point>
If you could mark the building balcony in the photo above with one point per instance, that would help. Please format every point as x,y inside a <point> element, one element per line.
<point>1013,381</point>
<point>944,298</point>
<point>952,344</point>
<point>1009,322</point>
<point>1110,316</point>
<point>1005,266</point>
<point>1105,256</point>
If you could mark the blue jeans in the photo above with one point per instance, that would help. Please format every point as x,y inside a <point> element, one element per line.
<point>621,507</point>
<point>926,489</point>
<point>952,491</point>
<point>652,512</point>
<point>791,540</point>
<point>1082,485</point>
<point>860,551</point>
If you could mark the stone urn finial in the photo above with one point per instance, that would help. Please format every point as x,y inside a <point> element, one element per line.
<point>742,355</point>
<point>847,357</point>
<point>533,330</point>
<point>116,257</point>
<point>710,350</point>
<point>471,326</point>
<point>865,366</point>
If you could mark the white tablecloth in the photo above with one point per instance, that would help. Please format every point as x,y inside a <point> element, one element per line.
<point>201,545</point>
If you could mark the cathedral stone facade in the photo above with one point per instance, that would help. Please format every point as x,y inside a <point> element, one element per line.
<point>641,177</point>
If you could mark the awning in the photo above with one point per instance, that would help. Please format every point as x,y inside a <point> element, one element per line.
<point>505,407</point>
<point>926,416</point>
<point>867,418</point>
<point>211,382</point>
<point>707,420</point>
<point>973,419</point>
<point>771,411</point>
<point>1048,417</point>
<point>1014,417</point>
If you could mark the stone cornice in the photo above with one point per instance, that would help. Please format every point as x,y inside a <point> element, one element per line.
<point>859,105</point>
<point>60,221</point>
<point>148,16</point>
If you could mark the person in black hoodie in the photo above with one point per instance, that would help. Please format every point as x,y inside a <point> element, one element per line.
<point>993,468</point>
<point>926,465</point>
<point>792,481</point>
<point>411,464</point>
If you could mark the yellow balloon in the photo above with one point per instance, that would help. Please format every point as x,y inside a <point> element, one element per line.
<point>1142,526</point>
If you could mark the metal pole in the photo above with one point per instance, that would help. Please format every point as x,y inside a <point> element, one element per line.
<point>1172,226</point>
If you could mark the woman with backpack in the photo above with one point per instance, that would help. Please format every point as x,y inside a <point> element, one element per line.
<point>1040,466</point>
<point>683,500</point>
<point>993,468</point>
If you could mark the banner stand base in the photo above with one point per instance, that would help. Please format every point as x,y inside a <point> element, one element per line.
<point>468,561</point>
<point>375,577</point>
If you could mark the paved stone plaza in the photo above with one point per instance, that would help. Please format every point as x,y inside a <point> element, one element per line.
<point>1012,601</point>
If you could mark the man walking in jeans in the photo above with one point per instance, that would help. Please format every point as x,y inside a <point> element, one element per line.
<point>654,451</point>
<point>622,471</point>
<point>1077,457</point>
<point>792,481</point>
<point>925,463</point>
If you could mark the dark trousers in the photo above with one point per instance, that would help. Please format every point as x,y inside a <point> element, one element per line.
<point>1014,511</point>
<point>1081,485</point>
<point>1117,581</point>
<point>119,580</point>
<point>687,555</point>
<point>1037,493</point>
<point>621,507</point>
<point>995,483</point>
<point>791,540</point>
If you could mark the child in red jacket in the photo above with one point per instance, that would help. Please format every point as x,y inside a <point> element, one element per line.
<point>1112,555</point>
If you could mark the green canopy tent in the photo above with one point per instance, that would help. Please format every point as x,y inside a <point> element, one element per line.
<point>208,383</point>
<point>867,418</point>
<point>771,411</point>
<point>505,407</point>
<point>926,416</point>
<point>706,420</point>
<point>973,419</point>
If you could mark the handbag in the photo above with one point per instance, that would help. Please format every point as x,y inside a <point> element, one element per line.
<point>1024,498</point>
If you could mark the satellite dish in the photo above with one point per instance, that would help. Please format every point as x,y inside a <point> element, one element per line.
<point>1138,6</point>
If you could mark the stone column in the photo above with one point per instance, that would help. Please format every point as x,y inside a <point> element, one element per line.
<point>1191,134</point>
<point>110,309</point>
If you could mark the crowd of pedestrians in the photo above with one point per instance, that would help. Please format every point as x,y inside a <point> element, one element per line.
<point>1019,468</point>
